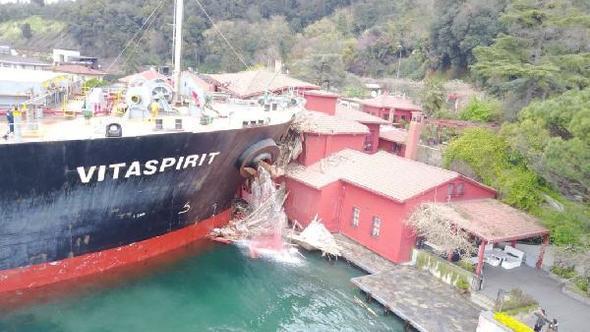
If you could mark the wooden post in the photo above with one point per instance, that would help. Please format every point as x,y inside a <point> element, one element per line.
<point>480,254</point>
<point>542,252</point>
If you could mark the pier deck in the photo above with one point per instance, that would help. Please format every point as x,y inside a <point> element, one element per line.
<point>426,303</point>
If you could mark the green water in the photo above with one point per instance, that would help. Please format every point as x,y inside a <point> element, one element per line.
<point>212,289</point>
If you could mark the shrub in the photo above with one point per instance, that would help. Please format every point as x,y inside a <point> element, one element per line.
<point>511,322</point>
<point>462,284</point>
<point>466,265</point>
<point>517,299</point>
<point>566,272</point>
<point>481,110</point>
<point>582,284</point>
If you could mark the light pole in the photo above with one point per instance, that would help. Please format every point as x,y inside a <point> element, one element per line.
<point>399,59</point>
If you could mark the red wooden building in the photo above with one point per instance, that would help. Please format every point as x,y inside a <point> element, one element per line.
<point>328,103</point>
<point>368,197</point>
<point>391,108</point>
<point>393,140</point>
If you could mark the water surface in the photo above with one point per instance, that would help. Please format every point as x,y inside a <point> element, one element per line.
<point>215,288</point>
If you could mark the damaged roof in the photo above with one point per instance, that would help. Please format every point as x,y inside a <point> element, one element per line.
<point>384,173</point>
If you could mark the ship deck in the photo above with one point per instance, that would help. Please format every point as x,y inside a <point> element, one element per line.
<point>225,117</point>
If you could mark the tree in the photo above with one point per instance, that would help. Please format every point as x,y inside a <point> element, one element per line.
<point>436,224</point>
<point>544,51</point>
<point>554,138</point>
<point>26,31</point>
<point>461,26</point>
<point>433,96</point>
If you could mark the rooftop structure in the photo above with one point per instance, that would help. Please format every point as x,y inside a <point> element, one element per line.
<point>79,70</point>
<point>147,75</point>
<point>353,167</point>
<point>354,115</point>
<point>320,123</point>
<point>8,60</point>
<point>391,102</point>
<point>252,83</point>
<point>393,134</point>
<point>492,220</point>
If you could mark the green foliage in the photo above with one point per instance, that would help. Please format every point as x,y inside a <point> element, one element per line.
<point>539,54</point>
<point>567,272</point>
<point>459,27</point>
<point>433,96</point>
<point>93,83</point>
<point>517,299</point>
<point>582,284</point>
<point>26,31</point>
<point>554,138</point>
<point>466,265</point>
<point>481,110</point>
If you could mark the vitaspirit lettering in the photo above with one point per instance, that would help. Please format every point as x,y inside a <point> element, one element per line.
<point>135,168</point>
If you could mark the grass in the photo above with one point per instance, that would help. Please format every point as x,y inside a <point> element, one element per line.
<point>11,30</point>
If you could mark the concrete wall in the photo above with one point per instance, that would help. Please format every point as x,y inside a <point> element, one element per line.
<point>487,323</point>
<point>449,273</point>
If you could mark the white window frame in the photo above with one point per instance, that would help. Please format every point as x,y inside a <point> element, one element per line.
<point>376,227</point>
<point>356,216</point>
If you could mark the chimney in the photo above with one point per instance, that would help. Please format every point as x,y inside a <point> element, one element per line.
<point>321,101</point>
<point>414,135</point>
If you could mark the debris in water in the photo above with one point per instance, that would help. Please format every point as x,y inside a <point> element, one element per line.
<point>260,224</point>
<point>316,236</point>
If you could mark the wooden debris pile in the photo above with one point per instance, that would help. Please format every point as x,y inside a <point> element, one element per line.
<point>263,215</point>
<point>316,237</point>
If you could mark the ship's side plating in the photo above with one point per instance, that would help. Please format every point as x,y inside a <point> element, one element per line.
<point>64,199</point>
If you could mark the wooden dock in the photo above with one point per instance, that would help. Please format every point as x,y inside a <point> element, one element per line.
<point>424,302</point>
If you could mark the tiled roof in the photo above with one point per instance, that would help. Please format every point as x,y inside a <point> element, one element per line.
<point>147,75</point>
<point>77,69</point>
<point>251,83</point>
<point>384,173</point>
<point>320,123</point>
<point>492,220</point>
<point>15,59</point>
<point>354,115</point>
<point>393,134</point>
<point>321,93</point>
<point>388,101</point>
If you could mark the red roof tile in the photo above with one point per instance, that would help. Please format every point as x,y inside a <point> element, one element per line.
<point>252,83</point>
<point>383,173</point>
<point>387,101</point>
<point>362,117</point>
<point>492,220</point>
<point>147,75</point>
<point>393,134</point>
<point>321,123</point>
<point>78,70</point>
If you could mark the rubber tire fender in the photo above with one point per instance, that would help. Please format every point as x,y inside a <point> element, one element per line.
<point>266,149</point>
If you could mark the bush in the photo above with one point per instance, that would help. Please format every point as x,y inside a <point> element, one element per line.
<point>462,284</point>
<point>566,272</point>
<point>481,110</point>
<point>511,322</point>
<point>582,284</point>
<point>517,299</point>
<point>466,265</point>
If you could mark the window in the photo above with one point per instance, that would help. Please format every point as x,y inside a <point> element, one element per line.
<point>460,189</point>
<point>355,217</point>
<point>376,230</point>
<point>451,189</point>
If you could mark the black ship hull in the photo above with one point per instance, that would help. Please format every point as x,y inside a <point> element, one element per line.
<point>65,199</point>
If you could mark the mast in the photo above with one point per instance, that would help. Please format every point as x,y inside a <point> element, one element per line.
<point>177,47</point>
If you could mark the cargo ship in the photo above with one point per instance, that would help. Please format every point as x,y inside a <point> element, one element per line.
<point>86,195</point>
